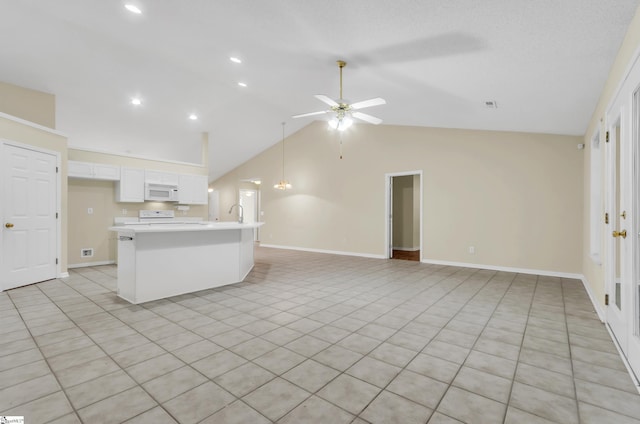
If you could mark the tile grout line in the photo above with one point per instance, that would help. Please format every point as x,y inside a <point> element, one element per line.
<point>109,356</point>
<point>341,372</point>
<point>450,384</point>
<point>573,374</point>
<point>391,290</point>
<point>44,358</point>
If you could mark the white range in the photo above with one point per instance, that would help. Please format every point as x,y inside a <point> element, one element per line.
<point>160,256</point>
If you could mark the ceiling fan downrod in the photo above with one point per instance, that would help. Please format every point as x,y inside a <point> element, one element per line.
<point>341,64</point>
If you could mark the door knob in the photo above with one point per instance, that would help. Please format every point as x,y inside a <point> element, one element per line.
<point>622,233</point>
<point>8,225</point>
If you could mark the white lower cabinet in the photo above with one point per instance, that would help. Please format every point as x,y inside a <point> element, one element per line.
<point>130,188</point>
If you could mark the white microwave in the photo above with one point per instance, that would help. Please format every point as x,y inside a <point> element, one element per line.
<point>160,192</point>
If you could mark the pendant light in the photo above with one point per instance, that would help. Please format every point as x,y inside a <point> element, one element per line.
<point>283,184</point>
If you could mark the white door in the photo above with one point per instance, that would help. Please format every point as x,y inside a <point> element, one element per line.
<point>617,213</point>
<point>249,203</point>
<point>29,226</point>
<point>633,342</point>
<point>622,267</point>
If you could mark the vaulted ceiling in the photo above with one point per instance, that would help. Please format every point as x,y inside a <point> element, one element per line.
<point>435,62</point>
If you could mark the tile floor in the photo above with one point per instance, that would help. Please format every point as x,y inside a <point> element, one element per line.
<point>314,338</point>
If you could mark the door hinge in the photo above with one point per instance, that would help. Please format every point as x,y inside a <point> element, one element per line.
<point>606,218</point>
<point>606,138</point>
<point>56,215</point>
<point>56,261</point>
<point>56,169</point>
<point>606,300</point>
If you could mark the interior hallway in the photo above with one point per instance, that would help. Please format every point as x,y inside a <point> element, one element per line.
<point>314,338</point>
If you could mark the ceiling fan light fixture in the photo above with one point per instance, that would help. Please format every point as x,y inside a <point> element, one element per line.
<point>340,109</point>
<point>340,123</point>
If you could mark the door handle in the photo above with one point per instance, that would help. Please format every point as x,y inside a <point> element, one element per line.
<point>622,234</point>
<point>8,225</point>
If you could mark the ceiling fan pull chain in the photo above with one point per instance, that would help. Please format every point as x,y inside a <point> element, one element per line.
<point>340,135</point>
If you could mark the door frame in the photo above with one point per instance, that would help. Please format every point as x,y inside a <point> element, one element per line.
<point>58,186</point>
<point>388,190</point>
<point>622,108</point>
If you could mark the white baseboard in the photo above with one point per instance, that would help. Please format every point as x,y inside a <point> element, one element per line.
<point>634,379</point>
<point>594,301</point>
<point>88,264</point>
<point>63,275</point>
<point>505,268</point>
<point>331,252</point>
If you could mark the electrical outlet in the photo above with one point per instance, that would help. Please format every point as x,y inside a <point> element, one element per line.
<point>86,253</point>
<point>124,211</point>
<point>90,211</point>
<point>472,250</point>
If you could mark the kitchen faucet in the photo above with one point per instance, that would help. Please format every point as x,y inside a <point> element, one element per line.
<point>240,214</point>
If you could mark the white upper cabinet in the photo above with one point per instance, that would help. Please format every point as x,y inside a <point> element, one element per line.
<point>93,171</point>
<point>130,188</point>
<point>160,177</point>
<point>192,189</point>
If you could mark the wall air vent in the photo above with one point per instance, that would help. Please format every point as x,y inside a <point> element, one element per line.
<point>491,104</point>
<point>86,253</point>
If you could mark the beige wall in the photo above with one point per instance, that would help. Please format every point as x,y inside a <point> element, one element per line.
<point>30,105</point>
<point>41,138</point>
<point>90,230</point>
<point>592,271</point>
<point>516,197</point>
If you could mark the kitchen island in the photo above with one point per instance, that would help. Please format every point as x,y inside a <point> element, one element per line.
<point>160,260</point>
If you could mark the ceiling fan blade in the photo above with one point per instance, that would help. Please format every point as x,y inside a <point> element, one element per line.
<point>326,99</point>
<point>311,114</point>
<point>368,103</point>
<point>367,118</point>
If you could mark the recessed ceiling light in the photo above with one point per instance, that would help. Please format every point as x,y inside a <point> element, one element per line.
<point>193,116</point>
<point>136,101</point>
<point>242,84</point>
<point>235,60</point>
<point>133,8</point>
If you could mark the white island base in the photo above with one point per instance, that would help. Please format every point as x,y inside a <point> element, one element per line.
<point>162,260</point>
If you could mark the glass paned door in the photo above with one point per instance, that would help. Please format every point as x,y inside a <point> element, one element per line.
<point>617,270</point>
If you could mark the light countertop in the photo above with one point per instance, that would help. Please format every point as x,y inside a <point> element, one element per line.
<point>139,227</point>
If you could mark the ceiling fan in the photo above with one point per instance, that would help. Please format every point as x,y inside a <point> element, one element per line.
<point>343,111</point>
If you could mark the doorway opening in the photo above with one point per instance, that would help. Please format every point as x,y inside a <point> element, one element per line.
<point>404,212</point>
<point>249,199</point>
